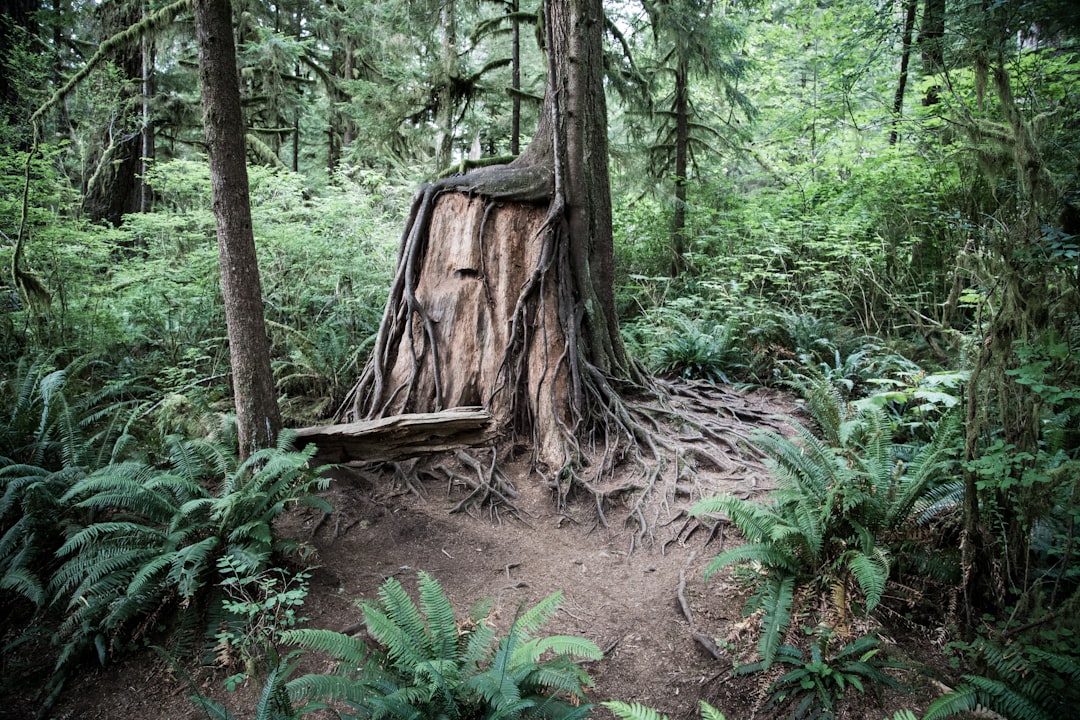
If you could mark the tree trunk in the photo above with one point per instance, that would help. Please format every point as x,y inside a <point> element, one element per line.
<point>905,60</point>
<point>515,79</point>
<point>446,101</point>
<point>114,188</point>
<point>682,148</point>
<point>931,39</point>
<point>504,291</point>
<point>257,415</point>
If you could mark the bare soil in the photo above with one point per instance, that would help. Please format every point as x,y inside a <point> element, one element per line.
<point>627,602</point>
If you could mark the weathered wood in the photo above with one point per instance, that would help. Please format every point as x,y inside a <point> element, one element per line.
<point>399,437</point>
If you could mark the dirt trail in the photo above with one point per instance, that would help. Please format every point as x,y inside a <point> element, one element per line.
<point>628,603</point>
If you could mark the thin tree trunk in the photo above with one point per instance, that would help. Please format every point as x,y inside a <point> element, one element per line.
<point>257,414</point>
<point>682,145</point>
<point>515,80</point>
<point>905,60</point>
<point>148,140</point>
<point>449,70</point>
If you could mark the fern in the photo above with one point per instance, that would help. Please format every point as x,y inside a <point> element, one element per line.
<point>777,595</point>
<point>1019,682</point>
<point>633,711</point>
<point>160,533</point>
<point>428,667</point>
<point>637,711</point>
<point>871,571</point>
<point>826,524</point>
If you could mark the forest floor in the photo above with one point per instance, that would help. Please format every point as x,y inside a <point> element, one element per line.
<point>630,603</point>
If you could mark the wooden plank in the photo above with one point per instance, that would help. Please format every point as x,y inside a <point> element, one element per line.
<point>399,437</point>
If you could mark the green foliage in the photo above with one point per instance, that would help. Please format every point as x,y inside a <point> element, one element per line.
<point>48,444</point>
<point>816,684</point>
<point>426,665</point>
<point>157,535</point>
<point>637,711</point>
<point>826,525</point>
<point>1020,681</point>
<point>690,351</point>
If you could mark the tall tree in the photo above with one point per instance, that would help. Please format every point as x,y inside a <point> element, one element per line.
<point>257,413</point>
<point>693,37</point>
<point>115,186</point>
<point>910,9</point>
<point>504,291</point>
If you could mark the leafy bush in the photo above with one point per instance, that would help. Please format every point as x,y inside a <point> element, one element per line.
<point>426,665</point>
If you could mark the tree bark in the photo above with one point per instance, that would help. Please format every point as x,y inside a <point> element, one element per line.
<point>115,187</point>
<point>905,60</point>
<point>682,148</point>
<point>257,415</point>
<point>931,39</point>
<point>504,292</point>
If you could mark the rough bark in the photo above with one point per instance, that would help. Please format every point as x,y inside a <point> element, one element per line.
<point>115,187</point>
<point>257,414</point>
<point>504,291</point>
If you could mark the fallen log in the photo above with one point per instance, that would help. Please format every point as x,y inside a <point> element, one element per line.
<point>399,437</point>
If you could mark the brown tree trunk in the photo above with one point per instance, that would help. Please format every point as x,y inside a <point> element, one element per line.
<point>258,418</point>
<point>114,188</point>
<point>682,148</point>
<point>504,291</point>
<point>931,41</point>
<point>905,60</point>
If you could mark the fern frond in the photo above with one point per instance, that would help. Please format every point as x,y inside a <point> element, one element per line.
<point>333,688</point>
<point>632,711</point>
<point>560,675</point>
<point>436,607</point>
<point>754,520</point>
<point>24,582</point>
<point>708,712</point>
<point>561,645</point>
<point>403,647</point>
<point>776,599</point>
<point>915,492</point>
<point>871,571</point>
<point>121,532</point>
<point>768,555</point>
<point>538,615</point>
<point>479,645</point>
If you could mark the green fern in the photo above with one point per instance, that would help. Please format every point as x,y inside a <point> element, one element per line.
<point>159,534</point>
<point>427,666</point>
<point>814,685</point>
<point>1020,682</point>
<point>637,711</point>
<point>826,524</point>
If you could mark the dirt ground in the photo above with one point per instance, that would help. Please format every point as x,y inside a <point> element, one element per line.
<point>627,602</point>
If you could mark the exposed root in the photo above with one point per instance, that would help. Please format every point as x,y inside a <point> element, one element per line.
<point>596,422</point>
<point>700,638</point>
